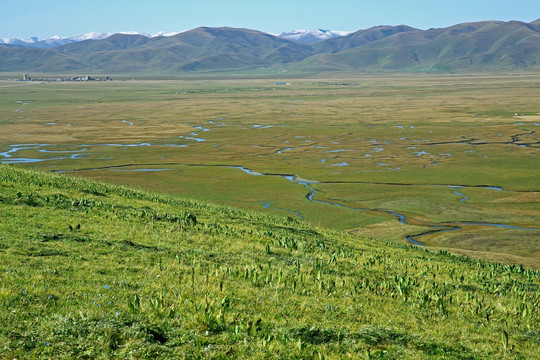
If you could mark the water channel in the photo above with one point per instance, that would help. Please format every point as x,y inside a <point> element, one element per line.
<point>8,157</point>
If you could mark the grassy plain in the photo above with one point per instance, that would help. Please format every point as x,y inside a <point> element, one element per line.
<point>426,147</point>
<point>95,271</point>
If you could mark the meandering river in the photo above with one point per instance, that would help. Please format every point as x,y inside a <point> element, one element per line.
<point>9,157</point>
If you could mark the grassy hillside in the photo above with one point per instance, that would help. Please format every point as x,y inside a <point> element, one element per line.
<point>359,38</point>
<point>98,271</point>
<point>24,59</point>
<point>488,45</point>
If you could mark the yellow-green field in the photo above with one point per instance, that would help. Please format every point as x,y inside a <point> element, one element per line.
<point>457,152</point>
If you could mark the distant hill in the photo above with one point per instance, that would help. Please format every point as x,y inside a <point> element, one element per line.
<point>491,45</point>
<point>488,45</point>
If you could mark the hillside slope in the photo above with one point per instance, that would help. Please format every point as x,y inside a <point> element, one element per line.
<point>489,45</point>
<point>99,271</point>
<point>361,37</point>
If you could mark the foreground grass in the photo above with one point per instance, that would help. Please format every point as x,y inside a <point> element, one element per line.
<point>97,271</point>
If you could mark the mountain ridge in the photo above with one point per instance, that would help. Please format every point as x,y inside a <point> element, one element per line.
<point>483,45</point>
<point>55,41</point>
<point>306,36</point>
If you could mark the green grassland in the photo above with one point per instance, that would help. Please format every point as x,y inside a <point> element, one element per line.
<point>438,150</point>
<point>96,271</point>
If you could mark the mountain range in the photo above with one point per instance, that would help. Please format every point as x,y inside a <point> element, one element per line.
<point>35,42</point>
<point>304,36</point>
<point>486,45</point>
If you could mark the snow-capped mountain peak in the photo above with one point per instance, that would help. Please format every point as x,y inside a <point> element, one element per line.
<point>18,41</point>
<point>91,36</point>
<point>166,34</point>
<point>148,35</point>
<point>134,33</point>
<point>311,36</point>
<point>56,40</point>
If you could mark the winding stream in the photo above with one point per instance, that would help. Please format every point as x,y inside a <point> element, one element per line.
<point>8,157</point>
<point>456,191</point>
<point>413,239</point>
<point>401,218</point>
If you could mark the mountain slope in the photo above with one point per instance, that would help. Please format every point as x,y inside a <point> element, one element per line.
<point>201,49</point>
<point>25,60</point>
<point>248,47</point>
<point>113,42</point>
<point>483,45</point>
<point>107,271</point>
<point>361,37</point>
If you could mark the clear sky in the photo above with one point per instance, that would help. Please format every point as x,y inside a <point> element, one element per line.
<point>25,18</point>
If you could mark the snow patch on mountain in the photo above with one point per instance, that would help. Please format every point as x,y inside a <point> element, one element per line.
<point>17,41</point>
<point>148,35</point>
<point>54,41</point>
<point>91,36</point>
<point>312,36</point>
<point>166,34</point>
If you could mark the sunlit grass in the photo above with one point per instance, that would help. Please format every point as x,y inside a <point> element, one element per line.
<point>97,271</point>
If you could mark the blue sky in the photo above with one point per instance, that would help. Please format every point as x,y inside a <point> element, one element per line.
<point>25,18</point>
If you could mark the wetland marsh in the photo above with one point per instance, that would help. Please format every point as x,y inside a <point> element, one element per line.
<point>451,158</point>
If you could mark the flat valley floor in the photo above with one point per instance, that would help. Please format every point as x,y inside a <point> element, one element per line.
<point>442,161</point>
